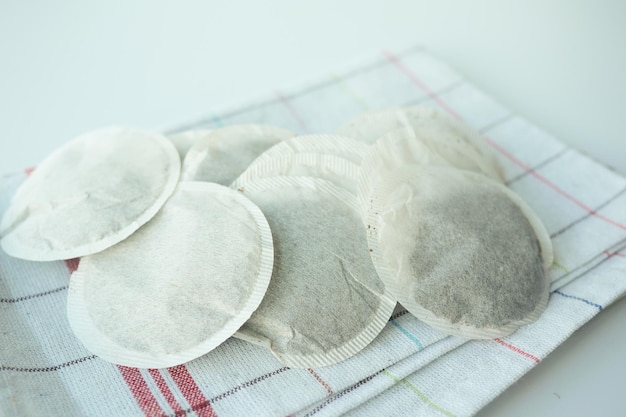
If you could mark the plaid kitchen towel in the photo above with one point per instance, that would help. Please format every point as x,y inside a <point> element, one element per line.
<point>44,370</point>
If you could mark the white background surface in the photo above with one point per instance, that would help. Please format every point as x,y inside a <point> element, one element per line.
<point>71,66</point>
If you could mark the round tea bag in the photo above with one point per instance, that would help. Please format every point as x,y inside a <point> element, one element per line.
<point>336,145</point>
<point>183,141</point>
<point>222,155</point>
<point>459,251</point>
<point>179,286</point>
<point>325,301</point>
<point>90,194</point>
<point>370,126</point>
<point>335,169</point>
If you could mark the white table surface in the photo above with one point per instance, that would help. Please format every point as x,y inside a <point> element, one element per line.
<point>70,66</point>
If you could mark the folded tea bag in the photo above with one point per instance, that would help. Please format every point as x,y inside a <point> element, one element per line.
<point>180,285</point>
<point>185,140</point>
<point>342,146</point>
<point>325,301</point>
<point>335,169</point>
<point>222,155</point>
<point>90,194</point>
<point>458,250</point>
<point>429,123</point>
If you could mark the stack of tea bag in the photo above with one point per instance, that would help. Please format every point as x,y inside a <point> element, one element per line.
<point>300,244</point>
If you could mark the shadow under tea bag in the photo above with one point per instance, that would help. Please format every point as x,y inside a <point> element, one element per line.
<point>222,155</point>
<point>179,286</point>
<point>459,251</point>
<point>325,301</point>
<point>90,194</point>
<point>183,141</point>
<point>370,126</point>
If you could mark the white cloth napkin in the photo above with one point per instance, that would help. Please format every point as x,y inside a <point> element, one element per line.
<point>410,368</point>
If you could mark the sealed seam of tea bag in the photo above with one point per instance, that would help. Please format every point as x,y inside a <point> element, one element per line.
<point>337,145</point>
<point>183,141</point>
<point>325,301</point>
<point>338,170</point>
<point>459,251</point>
<point>90,194</point>
<point>180,285</point>
<point>222,155</point>
<point>370,126</point>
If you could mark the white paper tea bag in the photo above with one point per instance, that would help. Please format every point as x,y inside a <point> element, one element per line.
<point>370,126</point>
<point>90,194</point>
<point>341,146</point>
<point>179,286</point>
<point>222,155</point>
<point>325,301</point>
<point>185,140</point>
<point>459,251</point>
<point>337,170</point>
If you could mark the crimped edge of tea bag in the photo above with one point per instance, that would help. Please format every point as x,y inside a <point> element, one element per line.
<point>338,170</point>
